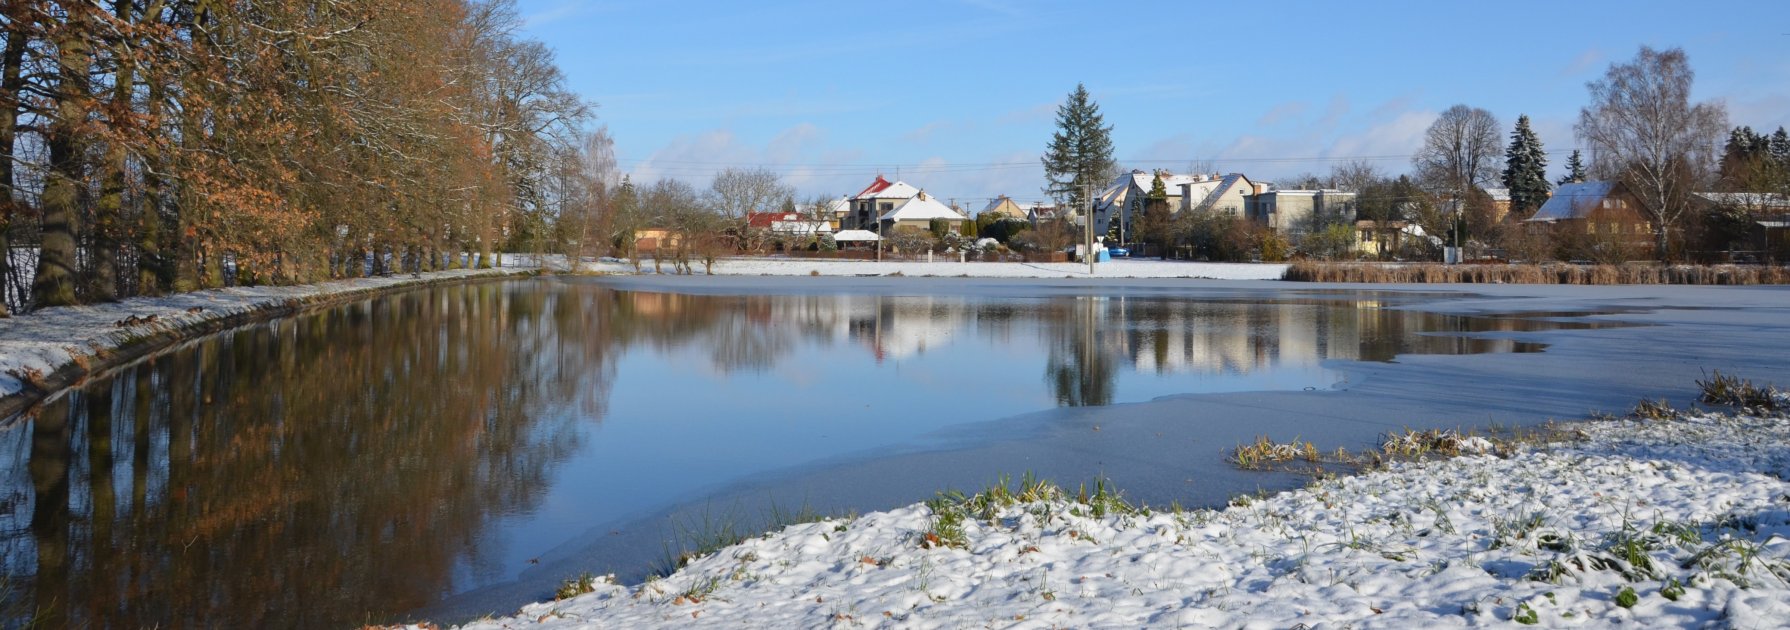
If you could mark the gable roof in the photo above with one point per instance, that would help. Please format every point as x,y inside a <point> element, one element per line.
<point>1002,204</point>
<point>885,189</point>
<point>1573,201</point>
<point>1118,193</point>
<point>1761,201</point>
<point>873,188</point>
<point>766,219</point>
<point>1218,189</point>
<point>921,207</point>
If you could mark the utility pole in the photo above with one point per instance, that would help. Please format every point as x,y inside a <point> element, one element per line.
<point>1088,196</point>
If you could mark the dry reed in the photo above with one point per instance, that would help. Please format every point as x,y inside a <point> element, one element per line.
<point>1548,273</point>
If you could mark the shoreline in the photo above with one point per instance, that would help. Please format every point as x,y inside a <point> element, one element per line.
<point>1685,515</point>
<point>44,353</point>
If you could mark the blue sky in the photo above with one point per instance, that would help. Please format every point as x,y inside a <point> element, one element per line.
<point>960,97</point>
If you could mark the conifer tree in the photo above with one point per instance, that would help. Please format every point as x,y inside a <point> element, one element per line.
<point>1080,153</point>
<point>1575,169</point>
<point>1526,170</point>
<point>1779,147</point>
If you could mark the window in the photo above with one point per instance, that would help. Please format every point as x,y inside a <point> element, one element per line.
<point>1612,227</point>
<point>1641,228</point>
<point>1590,227</point>
<point>1609,203</point>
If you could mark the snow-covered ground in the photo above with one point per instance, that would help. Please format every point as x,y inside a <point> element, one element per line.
<point>1120,268</point>
<point>43,341</point>
<point>1631,523</point>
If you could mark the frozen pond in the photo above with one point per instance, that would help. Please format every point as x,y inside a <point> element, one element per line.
<point>462,449</point>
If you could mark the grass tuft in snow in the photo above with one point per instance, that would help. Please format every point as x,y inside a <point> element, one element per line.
<point>710,530</point>
<point>1733,391</point>
<point>1649,409</point>
<point>951,509</point>
<point>1265,453</point>
<point>584,583</point>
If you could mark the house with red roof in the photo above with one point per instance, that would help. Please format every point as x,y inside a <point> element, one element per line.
<point>877,199</point>
<point>788,223</point>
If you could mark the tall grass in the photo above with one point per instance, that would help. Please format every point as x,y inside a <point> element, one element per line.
<point>1546,273</point>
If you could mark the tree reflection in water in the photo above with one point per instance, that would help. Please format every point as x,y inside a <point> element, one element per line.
<point>353,464</point>
<point>311,472</point>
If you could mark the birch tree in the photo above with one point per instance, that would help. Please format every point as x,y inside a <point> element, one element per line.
<point>1644,131</point>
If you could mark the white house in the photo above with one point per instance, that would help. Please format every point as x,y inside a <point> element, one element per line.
<point>919,211</point>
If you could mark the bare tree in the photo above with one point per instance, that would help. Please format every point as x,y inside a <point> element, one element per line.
<point>1354,175</point>
<point>737,192</point>
<point>1461,151</point>
<point>1644,131</point>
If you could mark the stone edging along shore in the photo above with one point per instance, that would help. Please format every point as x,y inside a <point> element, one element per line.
<point>48,351</point>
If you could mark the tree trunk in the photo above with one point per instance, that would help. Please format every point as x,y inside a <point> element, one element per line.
<point>109,211</point>
<point>55,281</point>
<point>11,81</point>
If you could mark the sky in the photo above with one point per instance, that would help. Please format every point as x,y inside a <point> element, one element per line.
<point>959,97</point>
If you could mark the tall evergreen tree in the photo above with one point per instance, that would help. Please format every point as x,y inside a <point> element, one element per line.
<point>1575,169</point>
<point>1779,147</point>
<point>1746,157</point>
<point>1080,153</point>
<point>1525,170</point>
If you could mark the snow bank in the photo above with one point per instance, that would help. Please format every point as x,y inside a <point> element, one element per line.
<point>1639,523</point>
<point>1121,268</point>
<point>36,345</point>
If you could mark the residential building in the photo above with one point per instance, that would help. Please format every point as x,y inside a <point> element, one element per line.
<point>1003,207</point>
<point>1500,203</point>
<point>788,223</point>
<point>877,199</point>
<point>1373,238</point>
<point>1768,217</point>
<point>1228,194</point>
<point>1037,212</point>
<point>919,211</point>
<point>1595,209</point>
<point>1126,194</point>
<point>1298,211</point>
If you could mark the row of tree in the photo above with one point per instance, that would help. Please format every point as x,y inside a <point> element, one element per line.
<point>1641,127</point>
<point>150,146</point>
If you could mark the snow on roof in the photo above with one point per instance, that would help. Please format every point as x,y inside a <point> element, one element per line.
<point>841,205</point>
<point>1218,189</point>
<point>766,219</point>
<point>921,207</point>
<point>1572,201</point>
<point>1119,192</point>
<point>1745,200</point>
<point>873,188</point>
<point>856,235</point>
<point>884,189</point>
<point>1498,194</point>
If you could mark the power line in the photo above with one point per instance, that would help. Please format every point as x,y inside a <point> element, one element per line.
<point>695,166</point>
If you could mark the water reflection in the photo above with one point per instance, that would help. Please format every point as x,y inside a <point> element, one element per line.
<point>372,459</point>
<point>311,472</point>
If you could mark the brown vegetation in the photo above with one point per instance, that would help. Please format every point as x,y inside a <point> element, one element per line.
<point>1549,273</point>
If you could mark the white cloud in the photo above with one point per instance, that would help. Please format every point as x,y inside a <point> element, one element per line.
<point>1282,112</point>
<point>1028,115</point>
